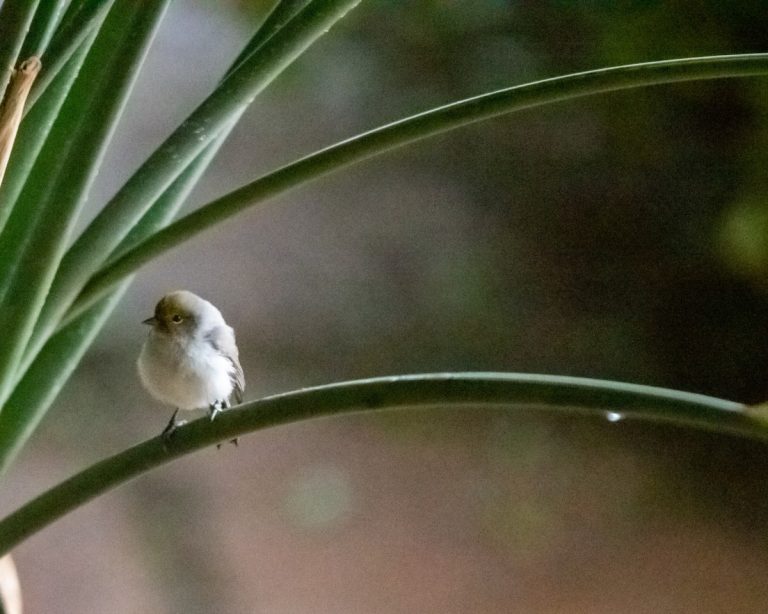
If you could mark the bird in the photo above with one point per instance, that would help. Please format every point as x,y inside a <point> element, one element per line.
<point>190,358</point>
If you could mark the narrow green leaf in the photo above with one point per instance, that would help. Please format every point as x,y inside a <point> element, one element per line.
<point>43,25</point>
<point>407,131</point>
<point>81,20</point>
<point>33,131</point>
<point>505,391</point>
<point>229,99</point>
<point>281,14</point>
<point>157,217</point>
<point>41,223</point>
<point>15,19</point>
<point>166,207</point>
<point>168,204</point>
<point>48,362</point>
<point>43,378</point>
<point>33,395</point>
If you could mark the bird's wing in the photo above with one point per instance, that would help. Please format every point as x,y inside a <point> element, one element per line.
<point>222,339</point>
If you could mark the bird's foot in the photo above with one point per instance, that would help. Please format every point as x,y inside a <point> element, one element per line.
<point>170,429</point>
<point>214,409</point>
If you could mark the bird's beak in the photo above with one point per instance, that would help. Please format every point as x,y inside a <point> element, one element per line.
<point>150,321</point>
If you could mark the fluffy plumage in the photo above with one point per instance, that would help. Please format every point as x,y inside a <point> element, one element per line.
<point>190,358</point>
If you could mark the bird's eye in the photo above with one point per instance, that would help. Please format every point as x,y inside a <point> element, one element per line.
<point>176,318</point>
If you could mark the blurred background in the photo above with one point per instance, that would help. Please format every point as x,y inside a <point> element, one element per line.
<point>620,236</point>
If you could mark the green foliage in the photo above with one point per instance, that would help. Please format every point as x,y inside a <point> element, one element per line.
<point>15,20</point>
<point>56,292</point>
<point>609,400</point>
<point>408,131</point>
<point>149,199</point>
<point>45,212</point>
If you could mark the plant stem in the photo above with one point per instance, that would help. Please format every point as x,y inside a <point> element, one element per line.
<point>94,246</point>
<point>436,391</point>
<point>33,132</point>
<point>15,19</point>
<point>42,27</point>
<point>42,382</point>
<point>40,225</point>
<point>166,207</point>
<point>279,16</point>
<point>409,130</point>
<point>80,21</point>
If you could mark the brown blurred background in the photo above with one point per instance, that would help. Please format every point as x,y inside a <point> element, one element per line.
<point>621,237</point>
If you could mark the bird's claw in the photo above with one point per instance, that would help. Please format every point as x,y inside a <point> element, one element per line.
<point>170,429</point>
<point>214,409</point>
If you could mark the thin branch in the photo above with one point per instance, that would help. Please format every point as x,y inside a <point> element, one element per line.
<point>111,225</point>
<point>611,400</point>
<point>406,131</point>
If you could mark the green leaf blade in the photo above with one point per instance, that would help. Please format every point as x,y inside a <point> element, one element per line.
<point>281,14</point>
<point>33,132</point>
<point>36,391</point>
<point>41,223</point>
<point>15,20</point>
<point>42,28</point>
<point>81,21</point>
<point>409,130</point>
<point>233,95</point>
<point>436,391</point>
<point>166,207</point>
<point>41,375</point>
<point>48,375</point>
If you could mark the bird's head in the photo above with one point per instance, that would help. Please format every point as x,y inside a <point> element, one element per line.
<point>183,313</point>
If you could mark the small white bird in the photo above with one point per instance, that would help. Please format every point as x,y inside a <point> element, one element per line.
<point>190,358</point>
